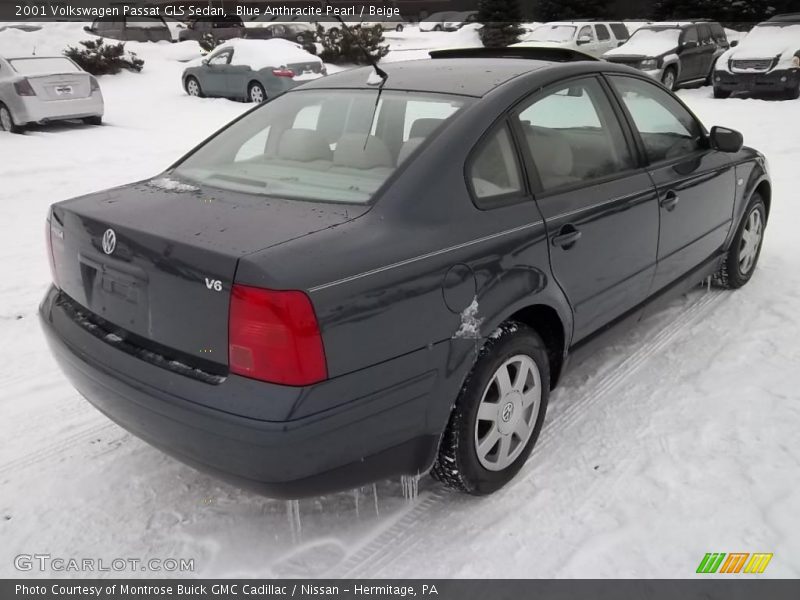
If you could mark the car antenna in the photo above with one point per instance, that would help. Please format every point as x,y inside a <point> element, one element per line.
<point>384,76</point>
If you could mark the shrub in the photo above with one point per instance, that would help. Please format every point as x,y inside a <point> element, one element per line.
<point>208,42</point>
<point>501,22</point>
<point>342,45</point>
<point>99,58</point>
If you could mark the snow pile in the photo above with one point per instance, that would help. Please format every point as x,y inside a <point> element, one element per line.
<point>263,54</point>
<point>768,41</point>
<point>648,42</point>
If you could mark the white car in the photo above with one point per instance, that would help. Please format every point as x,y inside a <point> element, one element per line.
<point>436,21</point>
<point>39,89</point>
<point>590,37</point>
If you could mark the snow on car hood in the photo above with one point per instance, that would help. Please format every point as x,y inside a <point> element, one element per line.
<point>768,41</point>
<point>648,42</point>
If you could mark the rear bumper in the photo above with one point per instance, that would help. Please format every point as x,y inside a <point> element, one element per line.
<point>374,434</point>
<point>35,110</point>
<point>773,81</point>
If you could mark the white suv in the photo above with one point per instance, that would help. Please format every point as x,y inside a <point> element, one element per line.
<point>590,37</point>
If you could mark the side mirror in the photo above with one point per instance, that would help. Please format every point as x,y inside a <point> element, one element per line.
<point>584,39</point>
<point>734,43</point>
<point>87,29</point>
<point>205,61</point>
<point>726,140</point>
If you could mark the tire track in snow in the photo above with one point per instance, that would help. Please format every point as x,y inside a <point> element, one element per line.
<point>400,537</point>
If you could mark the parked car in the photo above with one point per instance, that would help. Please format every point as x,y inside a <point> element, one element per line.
<point>131,29</point>
<point>392,23</point>
<point>457,20</point>
<point>219,28</point>
<point>590,37</point>
<point>40,89</point>
<point>295,30</point>
<point>436,21</point>
<point>674,53</point>
<point>290,334</point>
<point>252,70</point>
<point>767,60</point>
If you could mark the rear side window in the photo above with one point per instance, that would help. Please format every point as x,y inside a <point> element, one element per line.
<point>602,33</point>
<point>573,135</point>
<point>719,33</point>
<point>705,34</point>
<point>493,172</point>
<point>667,129</point>
<point>620,31</point>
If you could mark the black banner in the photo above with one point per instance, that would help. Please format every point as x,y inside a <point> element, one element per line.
<point>735,588</point>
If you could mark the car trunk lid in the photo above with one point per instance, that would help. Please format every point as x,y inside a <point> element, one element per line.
<point>61,86</point>
<point>157,260</point>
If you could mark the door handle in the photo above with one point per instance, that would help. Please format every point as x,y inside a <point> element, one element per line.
<point>670,200</point>
<point>567,237</point>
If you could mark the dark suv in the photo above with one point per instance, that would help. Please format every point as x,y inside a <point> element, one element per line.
<point>767,60</point>
<point>351,282</point>
<point>674,54</point>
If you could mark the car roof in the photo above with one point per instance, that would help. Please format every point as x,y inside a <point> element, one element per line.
<point>461,76</point>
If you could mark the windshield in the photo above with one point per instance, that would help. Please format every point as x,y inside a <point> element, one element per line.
<point>41,66</point>
<point>552,33</point>
<point>313,144</point>
<point>650,42</point>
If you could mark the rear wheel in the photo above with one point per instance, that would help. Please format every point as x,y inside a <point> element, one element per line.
<point>399,28</point>
<point>256,92</point>
<point>95,120</point>
<point>740,262</point>
<point>7,121</point>
<point>437,27</point>
<point>669,78</point>
<point>720,93</point>
<point>498,414</point>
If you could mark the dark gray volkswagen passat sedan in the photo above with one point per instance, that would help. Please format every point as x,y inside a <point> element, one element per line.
<point>318,296</point>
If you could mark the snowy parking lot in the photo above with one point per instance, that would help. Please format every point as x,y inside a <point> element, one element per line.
<point>680,437</point>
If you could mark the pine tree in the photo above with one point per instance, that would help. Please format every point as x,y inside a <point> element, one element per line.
<point>567,10</point>
<point>501,22</point>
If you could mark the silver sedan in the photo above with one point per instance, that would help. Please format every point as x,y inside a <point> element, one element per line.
<point>39,89</point>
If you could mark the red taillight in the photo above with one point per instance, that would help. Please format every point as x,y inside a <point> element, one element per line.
<point>23,88</point>
<point>283,72</point>
<point>95,87</point>
<point>274,336</point>
<point>50,259</point>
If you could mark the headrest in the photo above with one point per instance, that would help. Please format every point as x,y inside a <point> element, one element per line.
<point>351,152</point>
<point>551,153</point>
<point>303,145</point>
<point>423,127</point>
<point>408,148</point>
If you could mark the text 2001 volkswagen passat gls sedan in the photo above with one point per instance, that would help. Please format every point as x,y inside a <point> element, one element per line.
<point>338,287</point>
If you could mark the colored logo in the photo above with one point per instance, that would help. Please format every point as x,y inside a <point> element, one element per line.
<point>735,562</point>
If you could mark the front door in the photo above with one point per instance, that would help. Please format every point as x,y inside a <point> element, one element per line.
<point>599,207</point>
<point>215,76</point>
<point>696,184</point>
<point>690,54</point>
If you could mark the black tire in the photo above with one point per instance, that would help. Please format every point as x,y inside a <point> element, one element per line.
<point>731,274</point>
<point>7,120</point>
<point>95,120</point>
<point>399,28</point>
<point>793,93</point>
<point>255,91</point>
<point>437,27</point>
<point>188,86</point>
<point>665,78</point>
<point>458,465</point>
<point>721,94</point>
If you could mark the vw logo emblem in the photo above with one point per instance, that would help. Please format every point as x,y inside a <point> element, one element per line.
<point>508,410</point>
<point>109,241</point>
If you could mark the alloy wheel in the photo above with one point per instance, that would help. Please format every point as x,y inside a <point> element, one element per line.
<point>751,241</point>
<point>6,123</point>
<point>669,80</point>
<point>508,412</point>
<point>256,94</point>
<point>193,87</point>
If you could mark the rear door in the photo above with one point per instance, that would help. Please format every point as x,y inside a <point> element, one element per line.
<point>696,185</point>
<point>600,208</point>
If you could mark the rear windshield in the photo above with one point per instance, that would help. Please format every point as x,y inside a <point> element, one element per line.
<point>552,33</point>
<point>146,23</point>
<point>42,66</point>
<point>320,145</point>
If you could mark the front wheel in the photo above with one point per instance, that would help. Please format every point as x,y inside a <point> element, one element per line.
<point>95,120</point>
<point>398,28</point>
<point>498,414</point>
<point>669,78</point>
<point>793,93</point>
<point>7,121</point>
<point>437,28</point>
<point>193,87</point>
<point>256,93</point>
<point>740,262</point>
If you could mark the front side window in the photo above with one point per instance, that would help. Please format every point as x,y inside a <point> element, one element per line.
<point>667,129</point>
<point>690,35</point>
<point>586,32</point>
<point>553,33</point>
<point>494,172</point>
<point>320,145</point>
<point>223,57</point>
<point>573,135</point>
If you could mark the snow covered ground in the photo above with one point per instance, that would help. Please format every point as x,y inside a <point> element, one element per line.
<point>681,437</point>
